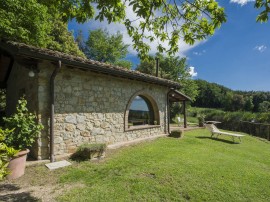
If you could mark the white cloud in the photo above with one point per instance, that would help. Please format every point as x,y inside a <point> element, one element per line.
<point>241,2</point>
<point>192,72</point>
<point>261,48</point>
<point>199,53</point>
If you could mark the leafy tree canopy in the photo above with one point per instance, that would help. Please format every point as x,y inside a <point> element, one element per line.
<point>265,5</point>
<point>173,68</point>
<point>160,20</point>
<point>104,47</point>
<point>33,23</point>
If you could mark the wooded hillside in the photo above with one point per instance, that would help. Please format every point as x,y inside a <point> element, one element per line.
<point>212,95</point>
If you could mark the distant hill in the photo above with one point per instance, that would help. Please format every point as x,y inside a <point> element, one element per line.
<point>212,95</point>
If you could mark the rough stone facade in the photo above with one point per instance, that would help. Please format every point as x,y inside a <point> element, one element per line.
<point>91,107</point>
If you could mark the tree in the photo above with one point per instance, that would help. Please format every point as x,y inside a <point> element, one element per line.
<point>264,106</point>
<point>25,21</point>
<point>33,23</point>
<point>173,68</point>
<point>123,63</point>
<point>258,98</point>
<point>104,47</point>
<point>212,95</point>
<point>159,20</point>
<point>248,106</point>
<point>63,40</point>
<point>237,102</point>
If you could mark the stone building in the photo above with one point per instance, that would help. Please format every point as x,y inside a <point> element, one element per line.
<point>79,100</point>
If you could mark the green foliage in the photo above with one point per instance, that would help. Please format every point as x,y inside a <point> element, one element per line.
<point>262,4</point>
<point>104,47</point>
<point>124,63</point>
<point>85,151</point>
<point>235,121</point>
<point>68,10</point>
<point>201,119</point>
<point>264,106</point>
<point>212,95</point>
<point>92,147</point>
<point>34,23</point>
<point>198,19</point>
<point>6,153</point>
<point>173,68</point>
<point>31,21</point>
<point>62,39</point>
<point>26,128</point>
<point>25,21</point>
<point>237,102</point>
<point>248,105</point>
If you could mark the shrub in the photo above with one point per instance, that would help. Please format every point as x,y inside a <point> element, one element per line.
<point>201,119</point>
<point>6,153</point>
<point>176,134</point>
<point>26,128</point>
<point>88,151</point>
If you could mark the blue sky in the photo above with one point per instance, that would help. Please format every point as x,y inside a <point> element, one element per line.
<point>237,56</point>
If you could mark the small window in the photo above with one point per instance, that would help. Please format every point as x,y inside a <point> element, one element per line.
<point>141,112</point>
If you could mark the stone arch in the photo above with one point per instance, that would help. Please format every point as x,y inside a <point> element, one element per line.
<point>150,101</point>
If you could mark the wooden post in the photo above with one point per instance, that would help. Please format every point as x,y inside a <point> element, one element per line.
<point>268,134</point>
<point>185,114</point>
<point>168,113</point>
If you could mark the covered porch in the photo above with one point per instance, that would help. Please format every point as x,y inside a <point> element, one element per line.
<point>176,96</point>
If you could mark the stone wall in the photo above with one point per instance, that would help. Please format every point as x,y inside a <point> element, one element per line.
<point>90,107</point>
<point>19,84</point>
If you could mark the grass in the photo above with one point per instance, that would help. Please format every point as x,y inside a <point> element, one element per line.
<point>195,168</point>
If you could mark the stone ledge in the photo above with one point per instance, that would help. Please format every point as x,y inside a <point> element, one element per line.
<point>142,127</point>
<point>127,143</point>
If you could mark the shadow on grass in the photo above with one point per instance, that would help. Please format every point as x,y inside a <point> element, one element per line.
<point>217,139</point>
<point>9,193</point>
<point>18,197</point>
<point>8,187</point>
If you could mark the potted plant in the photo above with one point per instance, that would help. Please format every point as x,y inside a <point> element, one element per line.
<point>6,153</point>
<point>25,130</point>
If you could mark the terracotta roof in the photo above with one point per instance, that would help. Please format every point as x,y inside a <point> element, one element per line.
<point>21,49</point>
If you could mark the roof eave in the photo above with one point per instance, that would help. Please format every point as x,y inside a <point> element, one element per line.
<point>22,51</point>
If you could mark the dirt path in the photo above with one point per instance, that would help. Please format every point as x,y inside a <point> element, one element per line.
<point>38,184</point>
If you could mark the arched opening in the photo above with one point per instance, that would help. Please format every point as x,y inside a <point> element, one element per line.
<point>142,111</point>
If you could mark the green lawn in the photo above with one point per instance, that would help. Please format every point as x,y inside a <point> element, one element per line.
<point>194,168</point>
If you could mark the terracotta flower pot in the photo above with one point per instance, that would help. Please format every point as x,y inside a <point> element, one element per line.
<point>17,165</point>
